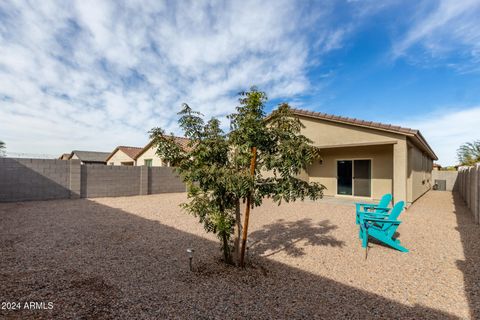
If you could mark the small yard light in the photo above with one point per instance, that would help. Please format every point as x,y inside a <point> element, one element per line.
<point>190,257</point>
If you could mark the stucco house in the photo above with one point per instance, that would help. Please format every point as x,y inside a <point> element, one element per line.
<point>123,156</point>
<point>148,157</point>
<point>367,159</point>
<point>89,157</point>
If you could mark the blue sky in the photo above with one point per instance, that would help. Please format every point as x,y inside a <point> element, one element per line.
<point>96,74</point>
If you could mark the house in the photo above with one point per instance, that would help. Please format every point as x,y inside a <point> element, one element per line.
<point>437,167</point>
<point>367,159</point>
<point>123,156</point>
<point>64,156</point>
<point>148,157</point>
<point>89,157</point>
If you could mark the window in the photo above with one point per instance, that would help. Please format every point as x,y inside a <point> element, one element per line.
<point>147,162</point>
<point>111,163</point>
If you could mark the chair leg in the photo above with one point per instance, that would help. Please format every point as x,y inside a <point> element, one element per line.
<point>364,237</point>
<point>395,244</point>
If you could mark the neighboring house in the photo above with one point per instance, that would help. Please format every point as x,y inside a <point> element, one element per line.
<point>123,156</point>
<point>437,167</point>
<point>367,159</point>
<point>89,157</point>
<point>148,157</point>
<point>64,156</point>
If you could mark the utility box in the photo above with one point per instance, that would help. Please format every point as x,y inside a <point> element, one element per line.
<point>440,185</point>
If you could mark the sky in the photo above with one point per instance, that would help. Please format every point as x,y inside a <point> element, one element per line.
<point>92,75</point>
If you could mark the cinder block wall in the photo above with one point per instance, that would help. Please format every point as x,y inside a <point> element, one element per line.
<point>34,179</point>
<point>109,181</point>
<point>469,188</point>
<point>42,179</point>
<point>161,180</point>
<point>451,178</point>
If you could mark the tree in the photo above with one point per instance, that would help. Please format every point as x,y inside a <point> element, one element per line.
<point>469,153</point>
<point>261,157</point>
<point>2,148</point>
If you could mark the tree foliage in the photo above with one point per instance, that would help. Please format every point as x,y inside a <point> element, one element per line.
<point>469,153</point>
<point>2,148</point>
<point>216,164</point>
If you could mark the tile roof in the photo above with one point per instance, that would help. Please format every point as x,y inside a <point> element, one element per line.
<point>354,121</point>
<point>181,141</point>
<point>90,156</point>
<point>130,151</point>
<point>369,124</point>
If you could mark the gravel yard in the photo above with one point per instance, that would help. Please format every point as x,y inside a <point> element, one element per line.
<point>126,257</point>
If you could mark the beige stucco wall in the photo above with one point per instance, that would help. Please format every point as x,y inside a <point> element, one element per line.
<point>381,157</point>
<point>389,169</point>
<point>327,134</point>
<point>118,157</point>
<point>150,154</point>
<point>419,173</point>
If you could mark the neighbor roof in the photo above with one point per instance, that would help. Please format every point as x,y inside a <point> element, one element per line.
<point>132,152</point>
<point>64,156</point>
<point>181,141</point>
<point>90,156</point>
<point>415,134</point>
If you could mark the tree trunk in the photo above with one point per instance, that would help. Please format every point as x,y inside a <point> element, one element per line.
<point>238,232</point>
<point>226,250</point>
<point>247,209</point>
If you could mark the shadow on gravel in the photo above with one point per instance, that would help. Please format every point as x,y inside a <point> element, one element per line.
<point>97,262</point>
<point>283,235</point>
<point>470,237</point>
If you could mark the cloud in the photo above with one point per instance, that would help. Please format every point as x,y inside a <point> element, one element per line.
<point>445,130</point>
<point>96,74</point>
<point>448,31</point>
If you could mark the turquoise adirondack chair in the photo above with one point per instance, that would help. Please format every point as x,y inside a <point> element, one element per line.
<point>377,210</point>
<point>382,229</point>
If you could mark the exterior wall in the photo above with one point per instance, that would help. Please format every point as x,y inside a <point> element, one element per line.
<point>118,157</point>
<point>163,180</point>
<point>39,179</point>
<point>327,134</point>
<point>469,188</point>
<point>109,181</point>
<point>420,168</point>
<point>34,179</point>
<point>451,178</point>
<point>382,167</point>
<point>150,154</point>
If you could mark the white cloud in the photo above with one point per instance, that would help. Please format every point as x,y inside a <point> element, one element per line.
<point>449,30</point>
<point>96,74</point>
<point>445,130</point>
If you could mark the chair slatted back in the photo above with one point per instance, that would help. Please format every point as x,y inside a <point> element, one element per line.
<point>394,214</point>
<point>385,200</point>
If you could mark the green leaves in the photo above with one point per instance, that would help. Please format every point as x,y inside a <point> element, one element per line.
<point>469,153</point>
<point>215,165</point>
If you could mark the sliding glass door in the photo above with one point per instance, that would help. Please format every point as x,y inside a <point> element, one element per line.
<point>344,177</point>
<point>354,177</point>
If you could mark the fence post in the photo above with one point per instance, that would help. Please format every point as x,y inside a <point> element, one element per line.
<point>143,180</point>
<point>75,179</point>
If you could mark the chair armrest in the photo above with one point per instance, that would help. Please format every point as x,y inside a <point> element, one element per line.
<point>366,204</point>
<point>368,219</point>
<point>370,213</point>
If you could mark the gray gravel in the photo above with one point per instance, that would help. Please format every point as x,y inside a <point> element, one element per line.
<point>121,258</point>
